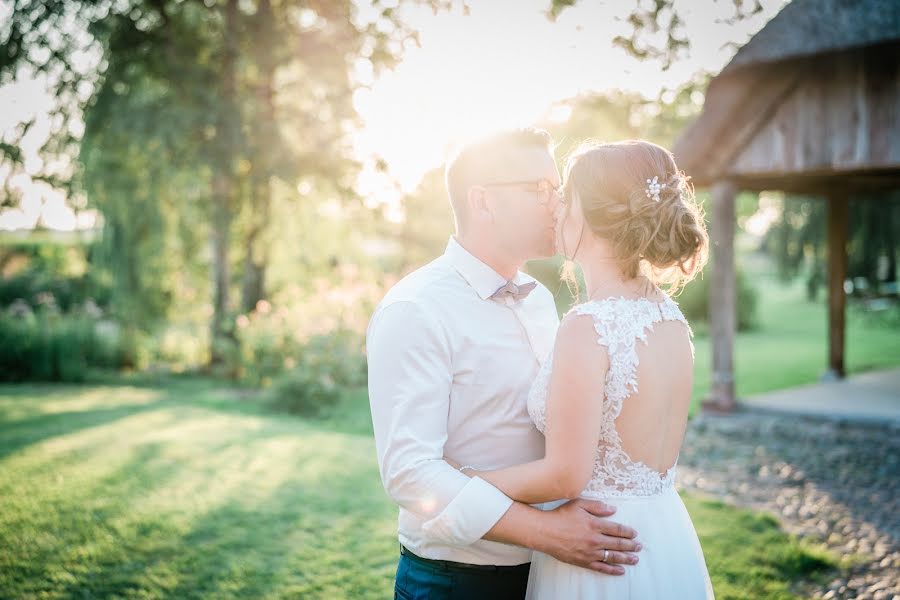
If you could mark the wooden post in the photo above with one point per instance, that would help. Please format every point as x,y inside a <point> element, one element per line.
<point>722,298</point>
<point>838,225</point>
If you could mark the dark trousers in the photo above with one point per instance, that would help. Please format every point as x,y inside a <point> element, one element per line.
<point>424,579</point>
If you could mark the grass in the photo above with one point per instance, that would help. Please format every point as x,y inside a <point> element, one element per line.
<point>748,555</point>
<point>181,488</point>
<point>184,491</point>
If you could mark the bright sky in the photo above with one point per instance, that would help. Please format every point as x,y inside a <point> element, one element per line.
<point>504,64</point>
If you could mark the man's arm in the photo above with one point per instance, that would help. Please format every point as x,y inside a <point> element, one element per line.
<point>410,374</point>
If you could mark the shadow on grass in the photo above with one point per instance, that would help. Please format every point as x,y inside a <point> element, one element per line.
<point>18,434</point>
<point>24,422</point>
<point>322,530</point>
<point>175,499</point>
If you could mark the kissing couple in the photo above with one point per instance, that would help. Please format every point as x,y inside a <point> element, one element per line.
<point>532,456</point>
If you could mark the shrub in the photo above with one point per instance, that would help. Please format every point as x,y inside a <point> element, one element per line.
<point>68,292</point>
<point>306,346</point>
<point>46,345</point>
<point>326,365</point>
<point>694,300</point>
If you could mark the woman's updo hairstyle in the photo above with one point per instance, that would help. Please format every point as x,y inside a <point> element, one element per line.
<point>655,226</point>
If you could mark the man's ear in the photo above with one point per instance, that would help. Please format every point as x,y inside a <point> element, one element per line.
<point>478,203</point>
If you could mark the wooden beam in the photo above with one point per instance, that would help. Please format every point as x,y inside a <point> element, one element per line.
<point>722,298</point>
<point>838,226</point>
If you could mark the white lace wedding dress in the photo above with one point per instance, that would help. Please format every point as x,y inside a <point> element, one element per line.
<point>671,563</point>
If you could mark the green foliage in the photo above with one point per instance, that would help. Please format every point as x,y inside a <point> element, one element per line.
<point>648,19</point>
<point>326,366</point>
<point>305,347</point>
<point>194,113</point>
<point>694,299</point>
<point>428,223</point>
<point>175,347</point>
<point>46,346</point>
<point>37,268</point>
<point>601,116</point>
<point>68,292</point>
<point>139,168</point>
<point>797,240</point>
<point>55,314</point>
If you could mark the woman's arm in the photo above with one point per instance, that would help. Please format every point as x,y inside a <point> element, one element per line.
<point>574,410</point>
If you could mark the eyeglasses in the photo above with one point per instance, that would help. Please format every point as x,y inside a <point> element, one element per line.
<point>544,189</point>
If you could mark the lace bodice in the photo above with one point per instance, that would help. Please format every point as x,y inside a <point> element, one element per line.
<point>619,323</point>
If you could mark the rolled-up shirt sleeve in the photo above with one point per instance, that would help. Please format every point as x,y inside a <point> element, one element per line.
<point>410,378</point>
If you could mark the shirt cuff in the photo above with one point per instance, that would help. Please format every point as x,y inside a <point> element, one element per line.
<point>470,515</point>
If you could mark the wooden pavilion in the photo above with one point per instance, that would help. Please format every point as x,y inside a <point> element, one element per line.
<point>810,105</point>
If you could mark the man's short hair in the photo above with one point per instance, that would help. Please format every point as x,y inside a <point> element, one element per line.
<point>480,161</point>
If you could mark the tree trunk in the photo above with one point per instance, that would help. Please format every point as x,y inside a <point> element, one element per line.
<point>223,187</point>
<point>256,259</point>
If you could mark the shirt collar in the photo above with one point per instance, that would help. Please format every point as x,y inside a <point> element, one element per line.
<point>483,279</point>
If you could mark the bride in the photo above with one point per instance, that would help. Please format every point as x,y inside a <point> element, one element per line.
<point>612,399</point>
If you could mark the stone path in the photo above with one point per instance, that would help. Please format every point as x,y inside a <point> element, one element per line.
<point>828,480</point>
<point>868,397</point>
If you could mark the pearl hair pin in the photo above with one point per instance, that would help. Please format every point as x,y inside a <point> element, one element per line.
<point>653,188</point>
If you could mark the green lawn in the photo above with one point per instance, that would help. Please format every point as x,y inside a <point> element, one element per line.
<point>185,489</point>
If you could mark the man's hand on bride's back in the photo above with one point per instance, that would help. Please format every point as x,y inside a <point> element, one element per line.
<point>579,531</point>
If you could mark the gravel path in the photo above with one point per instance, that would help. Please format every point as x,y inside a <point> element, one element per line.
<point>828,481</point>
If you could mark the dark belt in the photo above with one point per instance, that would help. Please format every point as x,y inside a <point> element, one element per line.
<point>450,565</point>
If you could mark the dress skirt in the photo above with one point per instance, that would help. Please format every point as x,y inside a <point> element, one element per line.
<point>671,563</point>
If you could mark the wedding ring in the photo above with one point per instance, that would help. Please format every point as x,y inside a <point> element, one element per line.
<point>605,555</point>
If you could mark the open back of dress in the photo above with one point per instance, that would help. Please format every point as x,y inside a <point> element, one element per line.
<point>649,343</point>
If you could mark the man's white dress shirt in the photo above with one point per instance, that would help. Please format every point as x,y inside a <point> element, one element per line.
<point>449,374</point>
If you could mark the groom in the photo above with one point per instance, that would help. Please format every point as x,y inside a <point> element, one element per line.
<point>453,349</point>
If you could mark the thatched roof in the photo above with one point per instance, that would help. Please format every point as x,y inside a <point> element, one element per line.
<point>808,27</point>
<point>767,70</point>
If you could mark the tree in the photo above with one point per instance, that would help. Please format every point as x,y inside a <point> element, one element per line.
<point>231,95</point>
<point>797,240</point>
<point>652,16</point>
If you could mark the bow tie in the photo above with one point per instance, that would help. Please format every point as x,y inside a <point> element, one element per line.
<point>516,292</point>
